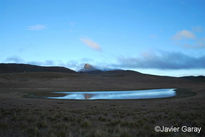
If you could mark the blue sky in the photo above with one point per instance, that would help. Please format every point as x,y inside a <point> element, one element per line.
<point>163,37</point>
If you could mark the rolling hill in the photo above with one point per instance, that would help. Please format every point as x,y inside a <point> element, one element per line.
<point>15,68</point>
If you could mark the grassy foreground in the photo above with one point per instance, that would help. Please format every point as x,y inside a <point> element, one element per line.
<point>21,116</point>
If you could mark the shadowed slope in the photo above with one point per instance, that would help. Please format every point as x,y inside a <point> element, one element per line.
<point>13,68</point>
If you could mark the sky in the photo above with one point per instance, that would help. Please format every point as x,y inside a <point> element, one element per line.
<point>161,37</point>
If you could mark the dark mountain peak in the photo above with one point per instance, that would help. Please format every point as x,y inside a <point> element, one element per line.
<point>15,68</point>
<point>89,68</point>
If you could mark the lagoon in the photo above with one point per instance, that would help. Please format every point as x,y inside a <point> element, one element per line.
<point>107,95</point>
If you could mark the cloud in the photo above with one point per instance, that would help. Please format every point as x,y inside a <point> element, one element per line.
<point>14,59</point>
<point>34,63</point>
<point>44,63</point>
<point>197,44</point>
<point>36,27</point>
<point>73,64</point>
<point>90,43</point>
<point>184,34</point>
<point>188,39</point>
<point>162,60</point>
<point>49,62</point>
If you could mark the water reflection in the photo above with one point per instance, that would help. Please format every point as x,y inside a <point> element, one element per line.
<point>136,94</point>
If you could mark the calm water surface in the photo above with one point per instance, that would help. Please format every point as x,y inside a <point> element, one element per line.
<point>135,94</point>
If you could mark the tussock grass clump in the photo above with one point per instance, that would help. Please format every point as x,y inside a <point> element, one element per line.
<point>101,118</point>
<point>31,119</point>
<point>61,133</point>
<point>129,124</point>
<point>42,124</point>
<point>4,124</point>
<point>113,122</point>
<point>52,118</point>
<point>69,118</point>
<point>60,125</point>
<point>85,123</point>
<point>98,133</point>
<point>125,133</point>
<point>33,132</point>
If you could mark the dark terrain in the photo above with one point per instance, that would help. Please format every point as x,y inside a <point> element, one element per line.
<point>24,113</point>
<point>14,68</point>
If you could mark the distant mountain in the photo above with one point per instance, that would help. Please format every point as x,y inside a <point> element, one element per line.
<point>14,68</point>
<point>90,69</point>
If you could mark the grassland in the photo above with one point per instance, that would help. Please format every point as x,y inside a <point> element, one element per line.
<point>26,116</point>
